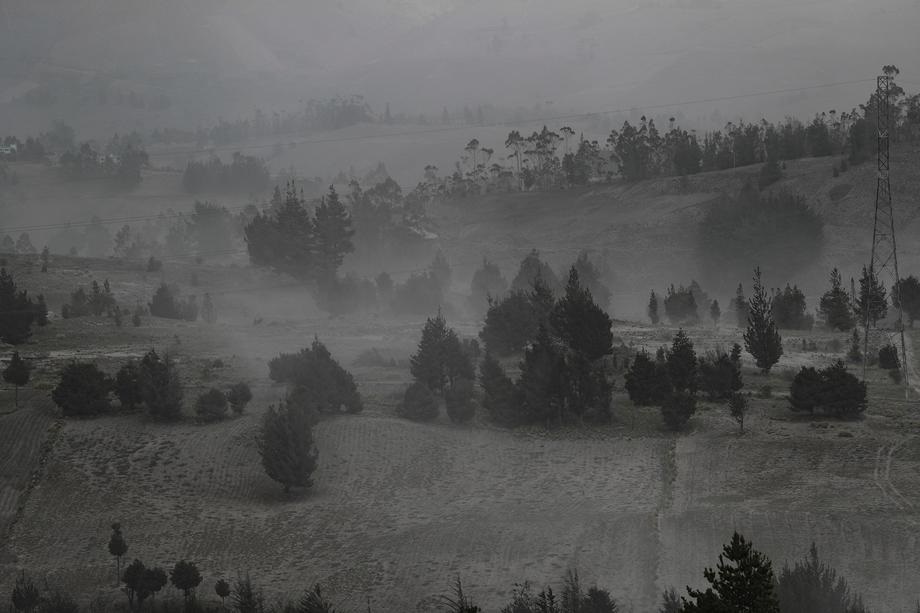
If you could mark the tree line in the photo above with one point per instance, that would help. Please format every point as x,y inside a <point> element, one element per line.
<point>743,579</point>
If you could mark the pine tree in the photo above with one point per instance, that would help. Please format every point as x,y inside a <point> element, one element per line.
<point>286,447</point>
<point>583,326</point>
<point>742,582</point>
<point>332,228</point>
<point>740,306</point>
<point>117,548</point>
<point>17,373</point>
<point>872,302</point>
<point>647,381</point>
<point>487,284</point>
<point>542,383</point>
<point>652,309</point>
<point>82,391</point>
<point>222,589</point>
<point>906,295</point>
<point>835,305</point>
<point>715,313</point>
<point>499,396</point>
<point>17,311</point>
<point>762,339</point>
<point>682,363</point>
<point>160,387</point>
<point>440,359</point>
<point>46,256</point>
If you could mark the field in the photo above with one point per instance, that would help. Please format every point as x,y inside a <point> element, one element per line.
<point>400,509</point>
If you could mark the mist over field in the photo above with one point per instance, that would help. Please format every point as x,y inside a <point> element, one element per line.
<point>459,305</point>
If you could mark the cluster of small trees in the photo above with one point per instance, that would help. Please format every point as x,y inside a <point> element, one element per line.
<point>442,367</point>
<point>673,377</point>
<point>563,373</point>
<point>166,303</point>
<point>291,240</point>
<point>244,174</point>
<point>212,405</point>
<point>18,312</point>
<point>317,383</point>
<point>100,300</point>
<point>151,383</point>
<point>22,245</point>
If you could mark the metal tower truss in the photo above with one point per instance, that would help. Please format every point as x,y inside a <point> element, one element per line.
<point>883,262</point>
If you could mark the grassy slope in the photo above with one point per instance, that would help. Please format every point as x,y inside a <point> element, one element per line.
<point>414,505</point>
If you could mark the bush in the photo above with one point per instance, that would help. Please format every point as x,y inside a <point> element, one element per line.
<point>419,403</point>
<point>831,390</point>
<point>888,357</point>
<point>677,410</point>
<point>211,405</point>
<point>459,401</point>
<point>165,303</point>
<point>83,390</point>
<point>239,396</point>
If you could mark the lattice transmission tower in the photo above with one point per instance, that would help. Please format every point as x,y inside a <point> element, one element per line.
<point>883,263</point>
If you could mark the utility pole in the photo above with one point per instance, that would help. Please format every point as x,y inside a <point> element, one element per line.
<point>884,257</point>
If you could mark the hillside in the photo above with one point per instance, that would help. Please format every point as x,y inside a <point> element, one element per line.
<point>400,509</point>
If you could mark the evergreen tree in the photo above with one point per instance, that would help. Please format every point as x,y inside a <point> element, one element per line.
<point>872,302</point>
<point>160,387</point>
<point>589,276</point>
<point>127,386</point>
<point>715,313</point>
<point>647,381</point>
<point>17,311</point>
<point>500,398</point>
<point>682,363</point>
<point>239,396</point>
<point>737,408</point>
<point>440,270</point>
<point>652,309</point>
<point>677,409</point>
<point>582,325</point>
<point>286,447</point>
<point>680,306</point>
<point>835,305</point>
<point>742,582</point>
<point>762,339</point>
<point>487,284</point>
<point>17,374</point>
<point>46,257</point>
<point>542,384</point>
<point>440,359</point>
<point>83,390</point>
<point>117,548</point>
<point>906,296</point>
<point>811,585</point>
<point>332,230</point>
<point>740,307</point>
<point>788,309</point>
<point>25,596</point>
<point>185,577</point>
<point>316,372</point>
<point>283,239</point>
<point>533,270</point>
